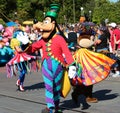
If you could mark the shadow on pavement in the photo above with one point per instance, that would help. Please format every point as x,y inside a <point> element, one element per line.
<point>102,95</point>
<point>105,95</point>
<point>35,86</point>
<point>69,104</point>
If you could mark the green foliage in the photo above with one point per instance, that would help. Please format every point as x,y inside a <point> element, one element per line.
<point>2,22</point>
<point>30,9</point>
<point>106,10</point>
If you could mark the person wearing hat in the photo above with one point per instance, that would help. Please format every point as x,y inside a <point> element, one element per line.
<point>115,36</point>
<point>114,46</point>
<point>53,46</point>
<point>101,44</point>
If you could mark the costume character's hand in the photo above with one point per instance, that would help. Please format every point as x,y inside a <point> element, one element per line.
<point>72,71</point>
<point>73,75</point>
<point>23,38</point>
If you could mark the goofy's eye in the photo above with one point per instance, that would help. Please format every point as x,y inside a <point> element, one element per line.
<point>46,21</point>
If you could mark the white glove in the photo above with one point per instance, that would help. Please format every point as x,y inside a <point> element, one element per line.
<point>72,72</point>
<point>23,37</point>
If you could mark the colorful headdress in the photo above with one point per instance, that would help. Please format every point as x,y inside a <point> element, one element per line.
<point>54,9</point>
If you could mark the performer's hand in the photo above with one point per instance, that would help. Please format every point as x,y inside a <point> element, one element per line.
<point>23,37</point>
<point>72,72</point>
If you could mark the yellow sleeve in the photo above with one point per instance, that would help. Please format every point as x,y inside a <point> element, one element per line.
<point>14,42</point>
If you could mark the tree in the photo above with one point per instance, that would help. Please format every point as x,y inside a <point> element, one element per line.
<point>104,9</point>
<point>6,9</point>
<point>69,10</point>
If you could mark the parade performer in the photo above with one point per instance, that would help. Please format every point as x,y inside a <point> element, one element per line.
<point>95,67</point>
<point>6,52</point>
<point>21,63</point>
<point>53,47</point>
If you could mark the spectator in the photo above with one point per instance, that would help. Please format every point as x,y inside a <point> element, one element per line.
<point>101,44</point>
<point>72,38</point>
<point>114,46</point>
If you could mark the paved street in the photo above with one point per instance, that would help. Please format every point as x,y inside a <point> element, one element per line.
<point>33,99</point>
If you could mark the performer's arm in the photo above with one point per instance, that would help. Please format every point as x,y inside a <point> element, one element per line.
<point>18,49</point>
<point>34,47</point>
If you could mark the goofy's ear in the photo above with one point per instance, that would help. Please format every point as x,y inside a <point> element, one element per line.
<point>53,22</point>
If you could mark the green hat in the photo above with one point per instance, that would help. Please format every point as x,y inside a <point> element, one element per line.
<point>51,14</point>
<point>54,9</point>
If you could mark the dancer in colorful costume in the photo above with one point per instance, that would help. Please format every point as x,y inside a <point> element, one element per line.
<point>21,63</point>
<point>53,46</point>
<point>95,68</point>
<point>6,52</point>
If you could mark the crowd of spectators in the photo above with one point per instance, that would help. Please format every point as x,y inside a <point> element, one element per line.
<point>105,38</point>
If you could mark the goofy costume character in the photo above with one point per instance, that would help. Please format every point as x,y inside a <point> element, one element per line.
<point>56,56</point>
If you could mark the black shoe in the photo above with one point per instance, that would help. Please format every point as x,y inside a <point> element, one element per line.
<point>74,98</point>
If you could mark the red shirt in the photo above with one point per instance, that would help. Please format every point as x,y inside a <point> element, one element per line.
<point>55,48</point>
<point>116,33</point>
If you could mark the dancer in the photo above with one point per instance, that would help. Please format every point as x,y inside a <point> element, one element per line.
<point>53,47</point>
<point>95,68</point>
<point>21,61</point>
<point>6,52</point>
